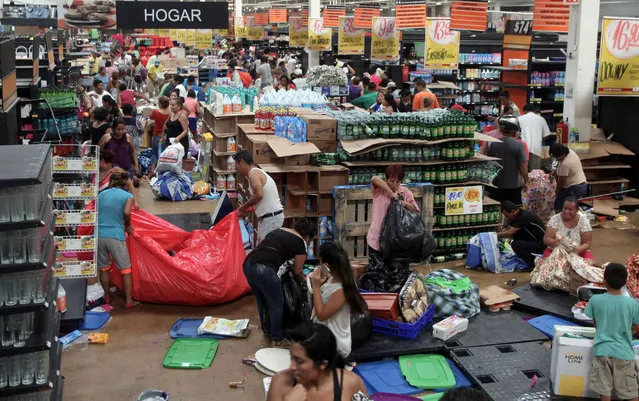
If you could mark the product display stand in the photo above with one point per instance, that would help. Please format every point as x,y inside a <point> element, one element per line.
<point>30,354</point>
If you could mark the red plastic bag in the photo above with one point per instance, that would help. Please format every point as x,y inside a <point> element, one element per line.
<point>206,269</point>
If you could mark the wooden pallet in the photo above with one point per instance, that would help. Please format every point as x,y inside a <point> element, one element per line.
<point>353,209</point>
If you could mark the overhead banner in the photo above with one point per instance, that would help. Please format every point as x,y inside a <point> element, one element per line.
<point>319,38</point>
<point>551,16</point>
<point>240,27</point>
<point>469,15</point>
<point>410,14</point>
<point>385,39</point>
<point>86,14</point>
<point>364,15</point>
<point>277,16</point>
<point>172,15</point>
<point>203,38</point>
<point>619,57</point>
<point>331,16</point>
<point>442,44</point>
<point>297,32</point>
<point>518,34</point>
<point>350,40</point>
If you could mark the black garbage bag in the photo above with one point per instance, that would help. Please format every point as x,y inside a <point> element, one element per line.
<point>383,276</point>
<point>361,329</point>
<point>296,307</point>
<point>404,236</point>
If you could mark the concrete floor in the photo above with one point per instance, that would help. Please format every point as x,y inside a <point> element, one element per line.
<point>139,338</point>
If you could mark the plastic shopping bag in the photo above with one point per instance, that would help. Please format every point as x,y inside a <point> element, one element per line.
<point>404,235</point>
<point>171,159</point>
<point>206,268</point>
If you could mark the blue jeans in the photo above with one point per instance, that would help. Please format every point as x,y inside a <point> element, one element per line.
<point>155,149</point>
<point>267,288</point>
<point>578,191</point>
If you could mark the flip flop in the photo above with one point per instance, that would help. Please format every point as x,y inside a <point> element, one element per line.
<point>132,305</point>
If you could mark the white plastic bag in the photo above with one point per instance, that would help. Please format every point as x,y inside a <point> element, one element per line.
<point>224,327</point>
<point>171,159</point>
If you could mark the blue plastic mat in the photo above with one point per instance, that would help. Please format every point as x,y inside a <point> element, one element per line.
<point>94,320</point>
<point>546,324</point>
<point>385,377</point>
<point>460,379</point>
<point>187,328</point>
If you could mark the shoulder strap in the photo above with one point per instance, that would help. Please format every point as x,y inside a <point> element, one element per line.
<point>337,385</point>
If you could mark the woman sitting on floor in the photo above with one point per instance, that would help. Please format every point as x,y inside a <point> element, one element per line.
<point>317,371</point>
<point>570,229</point>
<point>335,296</point>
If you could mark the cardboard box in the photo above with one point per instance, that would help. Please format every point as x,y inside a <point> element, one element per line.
<point>571,362</point>
<point>257,145</point>
<point>329,146</point>
<point>320,127</point>
<point>292,153</point>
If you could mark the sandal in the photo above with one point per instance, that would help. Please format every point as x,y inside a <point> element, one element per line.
<point>132,305</point>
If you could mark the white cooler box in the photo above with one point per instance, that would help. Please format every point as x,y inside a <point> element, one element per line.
<point>571,362</point>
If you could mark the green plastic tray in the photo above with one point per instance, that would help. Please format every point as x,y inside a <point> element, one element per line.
<point>432,397</point>
<point>427,371</point>
<point>191,353</point>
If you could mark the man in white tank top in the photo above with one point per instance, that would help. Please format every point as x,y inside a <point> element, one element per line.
<point>264,196</point>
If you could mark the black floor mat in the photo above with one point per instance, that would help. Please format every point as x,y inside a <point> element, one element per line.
<point>380,346</point>
<point>189,221</point>
<point>538,301</point>
<point>490,328</point>
<point>505,371</point>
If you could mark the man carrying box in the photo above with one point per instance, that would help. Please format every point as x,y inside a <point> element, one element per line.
<point>264,196</point>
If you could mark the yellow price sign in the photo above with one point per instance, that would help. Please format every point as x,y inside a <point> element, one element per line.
<point>619,58</point>
<point>350,40</point>
<point>297,32</point>
<point>464,200</point>
<point>442,44</point>
<point>385,40</point>
<point>319,38</point>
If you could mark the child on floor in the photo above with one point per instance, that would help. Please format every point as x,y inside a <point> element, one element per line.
<point>613,365</point>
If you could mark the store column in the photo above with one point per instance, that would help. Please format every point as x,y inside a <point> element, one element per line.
<point>581,66</point>
<point>313,12</point>
<point>238,8</point>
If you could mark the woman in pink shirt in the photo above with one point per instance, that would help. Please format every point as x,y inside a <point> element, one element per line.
<point>383,193</point>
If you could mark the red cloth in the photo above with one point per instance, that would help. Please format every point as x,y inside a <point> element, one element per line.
<point>632,265</point>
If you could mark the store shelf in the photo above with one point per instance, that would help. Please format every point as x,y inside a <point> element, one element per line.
<point>55,360</point>
<point>478,91</point>
<point>58,389</point>
<point>216,153</point>
<point>488,201</point>
<point>297,190</point>
<point>479,103</point>
<point>463,183</point>
<point>534,86</point>
<point>508,85</point>
<point>48,258</point>
<point>464,227</point>
<point>606,166</point>
<point>618,180</point>
<point>481,64</point>
<point>45,213</point>
<point>221,171</point>
<point>542,102</point>
<point>43,338</point>
<point>479,79</point>
<point>49,300</point>
<point>477,158</point>
<point>76,289</point>
<point>559,62</point>
<point>502,68</point>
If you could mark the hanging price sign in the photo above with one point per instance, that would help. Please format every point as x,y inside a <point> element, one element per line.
<point>319,38</point>
<point>241,30</point>
<point>350,40</point>
<point>442,44</point>
<point>297,32</point>
<point>619,58</point>
<point>385,40</point>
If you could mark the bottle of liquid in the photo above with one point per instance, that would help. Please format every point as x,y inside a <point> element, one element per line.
<point>220,182</point>
<point>230,163</point>
<point>227,105</point>
<point>230,182</point>
<point>236,104</point>
<point>230,144</point>
<point>62,299</point>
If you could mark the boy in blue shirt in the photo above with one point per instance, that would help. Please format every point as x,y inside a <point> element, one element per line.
<point>613,365</point>
<point>114,219</point>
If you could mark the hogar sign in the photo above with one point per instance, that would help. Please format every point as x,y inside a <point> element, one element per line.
<point>172,15</point>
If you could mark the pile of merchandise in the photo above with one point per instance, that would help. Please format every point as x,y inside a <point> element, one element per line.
<point>324,75</point>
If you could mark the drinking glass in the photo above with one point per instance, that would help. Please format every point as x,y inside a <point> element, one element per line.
<point>26,289</point>
<point>28,368</point>
<point>18,247</point>
<point>16,203</point>
<point>29,323</point>
<point>15,370</point>
<point>34,246</point>
<point>5,206</point>
<point>16,323</point>
<point>3,373</point>
<point>41,368</point>
<point>8,335</point>
<point>6,257</point>
<point>11,290</point>
<point>37,278</point>
<point>32,200</point>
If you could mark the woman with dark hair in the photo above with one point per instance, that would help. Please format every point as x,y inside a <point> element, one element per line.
<point>317,371</point>
<point>111,107</point>
<point>389,104</point>
<point>121,144</point>
<point>571,229</point>
<point>385,191</point>
<point>100,125</point>
<point>106,169</point>
<point>176,127</point>
<point>286,84</point>
<point>159,117</point>
<point>335,295</point>
<point>265,266</point>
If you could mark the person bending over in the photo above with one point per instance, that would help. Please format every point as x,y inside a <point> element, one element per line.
<point>317,371</point>
<point>570,229</point>
<point>571,180</point>
<point>527,231</point>
<point>613,360</point>
<point>114,219</point>
<point>335,295</point>
<point>265,266</point>
<point>264,195</point>
<point>383,193</point>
